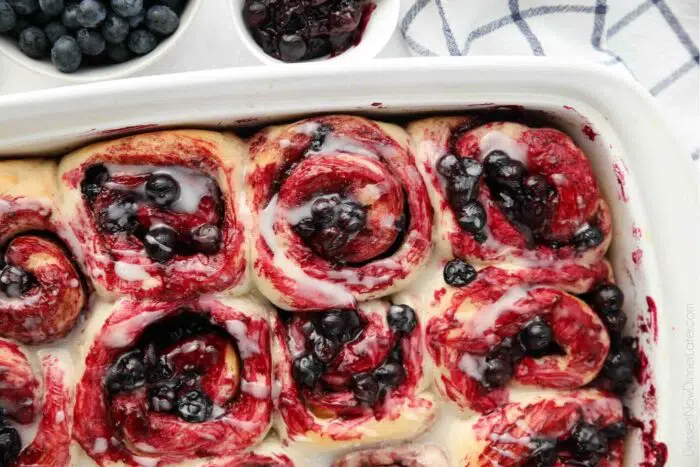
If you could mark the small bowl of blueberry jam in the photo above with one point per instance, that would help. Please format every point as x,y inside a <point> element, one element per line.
<point>292,31</point>
<point>91,40</point>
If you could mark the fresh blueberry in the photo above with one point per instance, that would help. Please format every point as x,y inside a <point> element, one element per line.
<point>162,189</point>
<point>458,273</point>
<point>324,349</point>
<point>160,242</point>
<point>69,18</point>
<point>615,430</point>
<point>24,7</point>
<point>90,42</point>
<point>544,453</point>
<point>292,47</point>
<point>449,166</point>
<point>307,370</point>
<point>305,228</point>
<point>54,30</point>
<point>390,374</point>
<point>194,407</point>
<point>162,20</point>
<point>365,388</point>
<point>118,52</point>
<point>537,335</point>
<point>472,217</point>
<point>255,13</point>
<point>33,42</point>
<point>588,440</point>
<point>401,318</point>
<point>51,7</point>
<point>497,373</point>
<point>95,177</point>
<point>588,237</point>
<point>119,216</point>
<point>91,13</point>
<point>66,55</point>
<point>341,326</point>
<point>127,373</point>
<point>351,216</point>
<point>607,298</point>
<point>10,445</point>
<point>207,239</point>
<point>127,8</point>
<point>142,42</point>
<point>137,20</point>
<point>115,29</point>
<point>162,396</point>
<point>15,281</point>
<point>8,17</point>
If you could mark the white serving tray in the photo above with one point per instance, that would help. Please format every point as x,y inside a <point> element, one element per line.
<point>631,136</point>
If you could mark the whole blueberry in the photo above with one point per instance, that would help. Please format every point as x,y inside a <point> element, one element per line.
<point>119,216</point>
<point>449,166</point>
<point>544,452</point>
<point>127,373</point>
<point>458,273</point>
<point>193,406</point>
<point>162,189</point>
<point>24,7</point>
<point>255,13</point>
<point>587,440</point>
<point>10,445</point>
<point>401,318</point>
<point>69,18</point>
<point>160,242</point>
<point>15,281</point>
<point>323,209</point>
<point>91,13</point>
<point>54,30</point>
<point>620,366</point>
<point>341,326</point>
<point>8,18</point>
<point>93,180</point>
<point>352,216</point>
<point>162,20</point>
<point>90,41</point>
<point>137,20</point>
<point>471,167</point>
<point>390,374</point>
<point>142,42</point>
<point>537,335</point>
<point>307,370</point>
<point>118,52</point>
<point>497,373</point>
<point>115,29</point>
<point>305,228</point>
<point>614,320</point>
<point>472,217</point>
<point>324,349</point>
<point>493,161</point>
<point>292,47</point>
<point>588,237</point>
<point>607,298</point>
<point>127,8</point>
<point>66,55</point>
<point>365,388</point>
<point>207,239</point>
<point>51,7</point>
<point>33,42</point>
<point>162,396</point>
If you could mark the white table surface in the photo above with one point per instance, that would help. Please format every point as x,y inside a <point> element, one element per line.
<point>210,42</point>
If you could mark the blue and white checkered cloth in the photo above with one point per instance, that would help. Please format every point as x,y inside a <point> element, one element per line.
<point>654,40</point>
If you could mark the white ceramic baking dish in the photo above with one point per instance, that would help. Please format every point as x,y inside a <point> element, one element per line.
<point>647,181</point>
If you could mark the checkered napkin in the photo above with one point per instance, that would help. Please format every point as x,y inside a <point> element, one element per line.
<point>653,40</point>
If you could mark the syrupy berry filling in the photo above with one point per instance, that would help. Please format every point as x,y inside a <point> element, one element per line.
<point>586,445</point>
<point>297,30</point>
<point>535,339</point>
<point>184,366</point>
<point>10,442</point>
<point>167,211</point>
<point>528,200</point>
<point>622,361</point>
<point>346,365</point>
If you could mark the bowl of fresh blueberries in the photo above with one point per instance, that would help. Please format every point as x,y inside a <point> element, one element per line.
<point>90,40</point>
<point>291,31</point>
